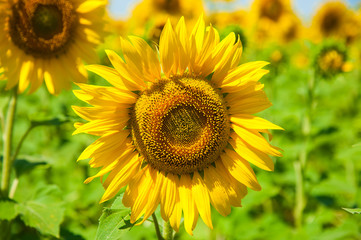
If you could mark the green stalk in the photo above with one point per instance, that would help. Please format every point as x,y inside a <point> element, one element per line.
<point>167,231</point>
<point>300,164</point>
<point>156,226</point>
<point>300,197</point>
<point>5,226</point>
<point>8,134</point>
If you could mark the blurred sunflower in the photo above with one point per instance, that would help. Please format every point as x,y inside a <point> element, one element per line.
<point>48,39</point>
<point>178,130</point>
<point>332,60</point>
<point>289,29</point>
<point>224,19</point>
<point>270,9</point>
<point>274,20</point>
<point>227,22</point>
<point>334,19</point>
<point>149,16</point>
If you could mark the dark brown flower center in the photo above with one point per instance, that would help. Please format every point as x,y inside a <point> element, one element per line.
<point>171,6</point>
<point>272,10</point>
<point>42,28</point>
<point>180,125</point>
<point>330,22</point>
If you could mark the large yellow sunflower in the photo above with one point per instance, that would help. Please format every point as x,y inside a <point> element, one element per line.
<point>48,40</point>
<point>178,131</point>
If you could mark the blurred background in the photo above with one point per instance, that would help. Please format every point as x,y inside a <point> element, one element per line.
<point>314,50</point>
<point>119,9</point>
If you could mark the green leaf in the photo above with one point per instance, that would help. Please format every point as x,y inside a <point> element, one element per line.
<point>353,210</point>
<point>8,209</point>
<point>44,212</point>
<point>50,122</point>
<point>23,166</point>
<point>114,221</point>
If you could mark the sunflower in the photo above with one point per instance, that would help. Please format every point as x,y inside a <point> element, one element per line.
<point>274,20</point>
<point>271,9</point>
<point>332,60</point>
<point>178,130</point>
<point>149,16</point>
<point>334,19</point>
<point>48,39</point>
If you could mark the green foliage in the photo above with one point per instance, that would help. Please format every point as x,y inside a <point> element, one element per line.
<point>23,166</point>
<point>353,210</point>
<point>114,221</point>
<point>44,211</point>
<point>8,209</point>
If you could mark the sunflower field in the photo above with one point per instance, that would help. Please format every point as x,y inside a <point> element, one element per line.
<point>186,119</point>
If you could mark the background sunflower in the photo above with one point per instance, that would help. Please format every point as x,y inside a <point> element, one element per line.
<point>49,40</point>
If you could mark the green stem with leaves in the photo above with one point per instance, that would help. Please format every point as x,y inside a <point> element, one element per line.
<point>7,138</point>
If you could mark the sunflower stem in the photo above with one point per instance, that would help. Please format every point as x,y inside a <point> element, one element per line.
<point>5,226</point>
<point>7,137</point>
<point>300,164</point>
<point>156,226</point>
<point>18,147</point>
<point>167,231</point>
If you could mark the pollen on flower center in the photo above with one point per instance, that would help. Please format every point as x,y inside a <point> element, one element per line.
<point>180,125</point>
<point>184,125</point>
<point>42,28</point>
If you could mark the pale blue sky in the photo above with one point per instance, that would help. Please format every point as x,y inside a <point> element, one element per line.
<point>305,8</point>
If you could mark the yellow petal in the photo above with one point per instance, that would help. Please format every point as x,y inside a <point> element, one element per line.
<point>168,197</point>
<point>132,81</point>
<point>198,34</point>
<point>256,140</point>
<point>240,169</point>
<point>250,105</point>
<point>151,62</point>
<point>252,122</point>
<point>176,216</point>
<point>201,66</point>
<point>224,65</point>
<point>26,72</point>
<point>124,173</point>
<point>117,164</point>
<point>100,126</point>
<point>168,50</point>
<point>235,86</point>
<point>251,154</point>
<point>187,202</point>
<point>109,74</point>
<point>89,6</point>
<point>103,96</point>
<point>238,74</point>
<point>236,190</point>
<point>153,198</point>
<point>216,188</point>
<point>93,113</point>
<point>201,198</point>
<point>183,48</point>
<point>103,145</point>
